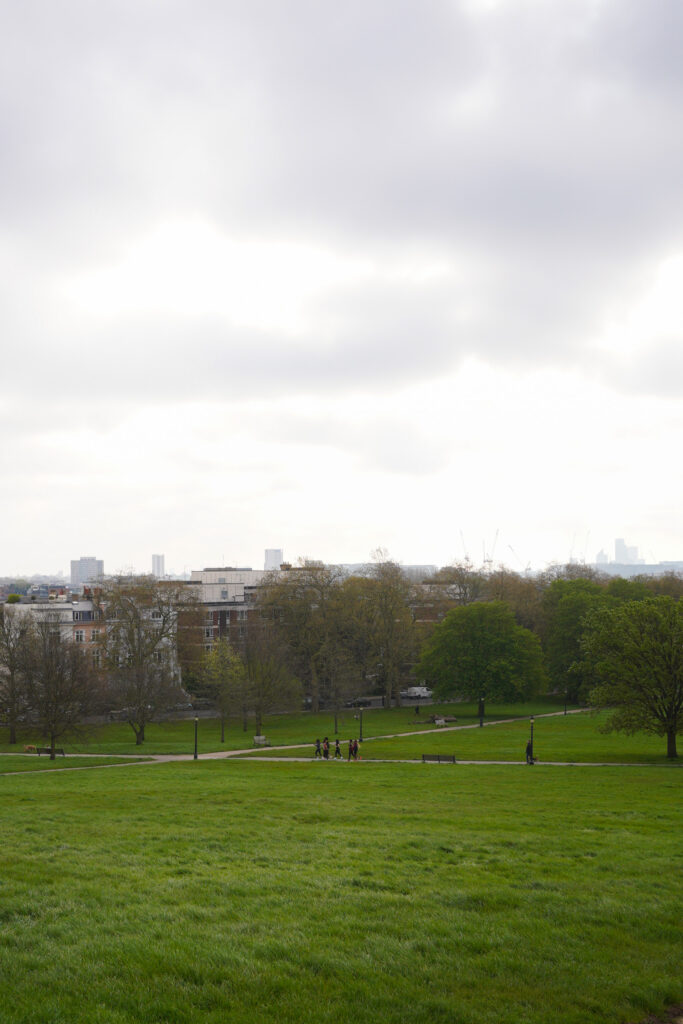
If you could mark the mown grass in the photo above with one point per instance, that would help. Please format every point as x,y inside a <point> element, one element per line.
<point>177,737</point>
<point>574,738</point>
<point>10,763</point>
<point>234,892</point>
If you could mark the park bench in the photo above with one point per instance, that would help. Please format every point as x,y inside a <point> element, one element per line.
<point>47,750</point>
<point>261,741</point>
<point>439,758</point>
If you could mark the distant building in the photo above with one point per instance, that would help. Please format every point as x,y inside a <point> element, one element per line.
<point>226,584</point>
<point>158,566</point>
<point>625,555</point>
<point>274,559</point>
<point>601,558</point>
<point>86,569</point>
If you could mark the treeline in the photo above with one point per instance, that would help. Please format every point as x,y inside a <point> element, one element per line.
<point>472,633</point>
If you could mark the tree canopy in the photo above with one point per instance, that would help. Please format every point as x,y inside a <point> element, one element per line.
<point>478,650</point>
<point>635,650</point>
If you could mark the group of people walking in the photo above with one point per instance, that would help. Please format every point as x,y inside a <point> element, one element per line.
<point>322,750</point>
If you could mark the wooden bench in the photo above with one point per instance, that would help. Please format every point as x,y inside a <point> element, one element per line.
<point>261,741</point>
<point>439,758</point>
<point>48,750</point>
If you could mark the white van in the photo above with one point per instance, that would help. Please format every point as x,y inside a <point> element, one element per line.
<point>416,693</point>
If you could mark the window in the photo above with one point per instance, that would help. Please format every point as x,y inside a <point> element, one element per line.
<point>208,633</point>
<point>224,595</point>
<point>94,636</point>
<point>79,636</point>
<point>156,614</point>
<point>242,615</point>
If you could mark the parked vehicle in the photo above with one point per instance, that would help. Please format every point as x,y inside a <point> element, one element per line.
<point>416,693</point>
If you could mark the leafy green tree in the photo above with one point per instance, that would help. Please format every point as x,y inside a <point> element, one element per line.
<point>223,674</point>
<point>478,650</point>
<point>564,608</point>
<point>635,650</point>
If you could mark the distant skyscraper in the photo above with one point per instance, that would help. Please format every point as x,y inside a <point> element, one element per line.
<point>274,559</point>
<point>158,566</point>
<point>86,569</point>
<point>625,555</point>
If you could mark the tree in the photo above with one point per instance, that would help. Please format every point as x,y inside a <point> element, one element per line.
<point>272,687</point>
<point>636,652</point>
<point>223,673</point>
<point>392,628</point>
<point>478,650</point>
<point>140,646</point>
<point>303,603</point>
<point>62,684</point>
<point>565,606</point>
<point>14,634</point>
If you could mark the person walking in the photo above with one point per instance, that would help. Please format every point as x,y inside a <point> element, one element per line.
<point>318,751</point>
<point>337,750</point>
<point>326,749</point>
<point>355,750</point>
<point>350,750</point>
<point>529,753</point>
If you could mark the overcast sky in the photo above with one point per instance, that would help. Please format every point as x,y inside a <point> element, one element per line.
<point>329,276</point>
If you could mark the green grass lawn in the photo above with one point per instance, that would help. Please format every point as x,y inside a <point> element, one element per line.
<point>32,763</point>
<point>236,891</point>
<point>178,737</point>
<point>575,737</point>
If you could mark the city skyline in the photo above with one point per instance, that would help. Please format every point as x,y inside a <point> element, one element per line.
<point>336,279</point>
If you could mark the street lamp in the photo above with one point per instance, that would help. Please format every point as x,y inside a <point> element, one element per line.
<point>359,716</point>
<point>196,723</point>
<point>481,712</point>
<point>531,741</point>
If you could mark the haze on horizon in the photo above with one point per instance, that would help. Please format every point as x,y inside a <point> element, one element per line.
<point>328,278</point>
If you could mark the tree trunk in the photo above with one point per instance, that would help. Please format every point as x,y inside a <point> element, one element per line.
<point>336,723</point>
<point>52,746</point>
<point>222,728</point>
<point>671,743</point>
<point>315,689</point>
<point>139,735</point>
<point>258,723</point>
<point>245,718</point>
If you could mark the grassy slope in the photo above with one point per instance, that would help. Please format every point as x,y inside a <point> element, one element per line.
<point>574,738</point>
<point>234,892</point>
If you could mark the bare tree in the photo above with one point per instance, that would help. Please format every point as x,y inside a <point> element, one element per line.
<point>140,646</point>
<point>272,687</point>
<point>62,683</point>
<point>14,633</point>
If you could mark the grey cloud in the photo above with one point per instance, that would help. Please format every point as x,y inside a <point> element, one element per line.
<point>348,125</point>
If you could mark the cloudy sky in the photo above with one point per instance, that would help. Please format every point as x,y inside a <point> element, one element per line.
<point>329,276</point>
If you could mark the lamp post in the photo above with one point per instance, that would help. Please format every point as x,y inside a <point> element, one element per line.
<point>359,717</point>
<point>531,741</point>
<point>481,712</point>
<point>196,723</point>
